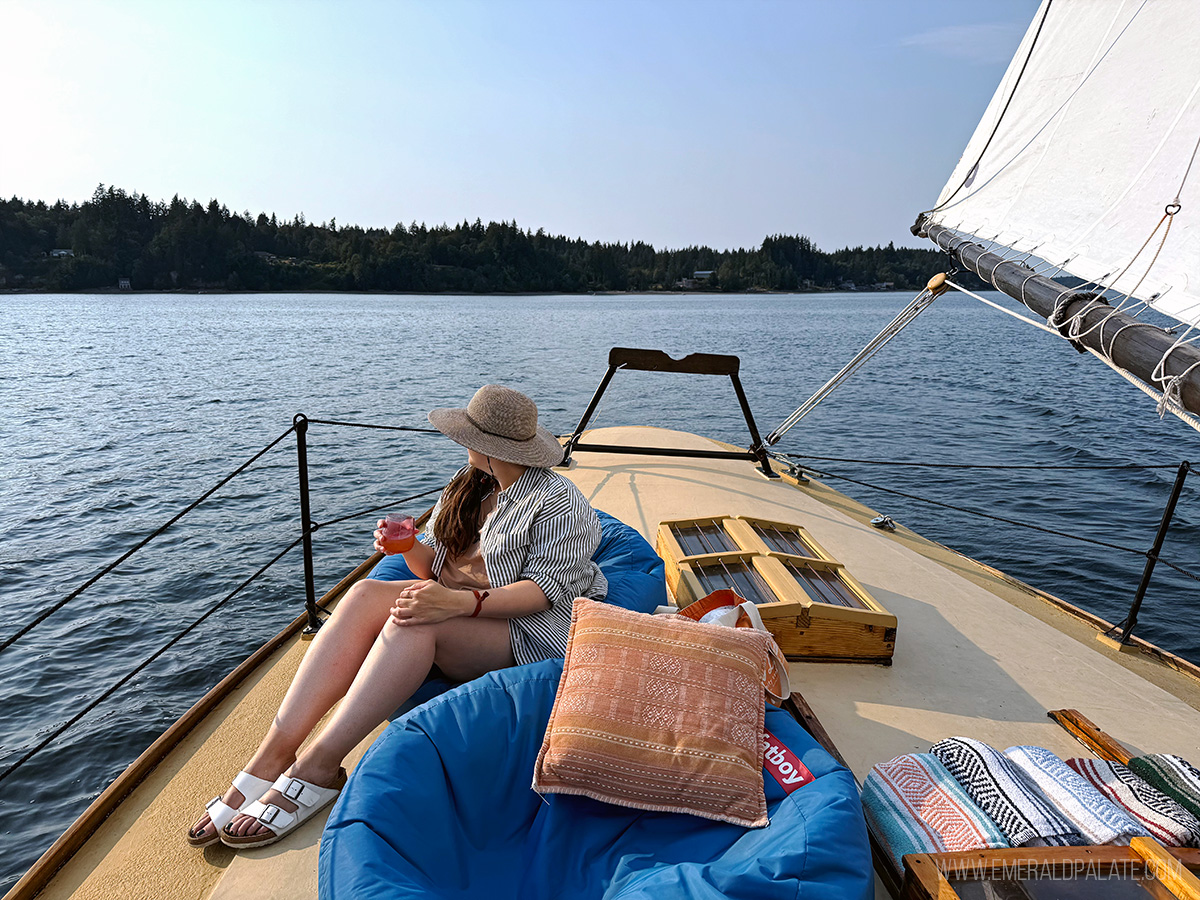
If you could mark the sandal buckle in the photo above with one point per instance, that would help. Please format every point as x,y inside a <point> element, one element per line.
<point>269,814</point>
<point>294,789</point>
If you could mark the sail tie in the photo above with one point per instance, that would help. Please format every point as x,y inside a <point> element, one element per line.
<point>1172,385</point>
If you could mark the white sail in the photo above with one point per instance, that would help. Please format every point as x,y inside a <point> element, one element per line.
<point>1089,139</point>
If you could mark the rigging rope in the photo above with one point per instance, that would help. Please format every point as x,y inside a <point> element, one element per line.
<point>1165,402</point>
<point>972,512</point>
<point>918,305</point>
<point>1000,118</point>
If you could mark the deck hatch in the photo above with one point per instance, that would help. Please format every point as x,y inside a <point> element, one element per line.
<point>703,536</point>
<point>738,576</point>
<point>807,599</point>
<point>783,540</point>
<point>823,583</point>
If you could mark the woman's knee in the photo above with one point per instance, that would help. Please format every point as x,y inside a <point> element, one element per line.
<point>369,601</point>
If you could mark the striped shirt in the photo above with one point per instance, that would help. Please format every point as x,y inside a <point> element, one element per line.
<point>542,530</point>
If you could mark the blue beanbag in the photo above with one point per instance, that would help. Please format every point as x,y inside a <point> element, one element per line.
<point>636,576</point>
<point>441,806</point>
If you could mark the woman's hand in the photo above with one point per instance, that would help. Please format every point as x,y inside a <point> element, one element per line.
<point>427,602</point>
<point>379,536</point>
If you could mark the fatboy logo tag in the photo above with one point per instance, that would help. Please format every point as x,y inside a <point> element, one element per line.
<point>784,766</point>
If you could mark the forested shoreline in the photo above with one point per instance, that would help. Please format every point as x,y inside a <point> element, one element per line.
<point>119,238</point>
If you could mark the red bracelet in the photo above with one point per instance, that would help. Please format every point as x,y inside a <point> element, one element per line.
<point>479,598</point>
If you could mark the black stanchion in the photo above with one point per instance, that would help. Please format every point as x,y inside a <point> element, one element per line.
<point>300,422</point>
<point>1152,555</point>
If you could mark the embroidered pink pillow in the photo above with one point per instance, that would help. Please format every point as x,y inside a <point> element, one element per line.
<point>659,713</point>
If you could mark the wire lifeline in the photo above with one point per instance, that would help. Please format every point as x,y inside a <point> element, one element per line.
<point>45,614</point>
<point>167,646</point>
<point>110,691</point>
<point>379,508</point>
<point>1181,571</point>
<point>379,427</point>
<point>973,512</point>
<point>888,462</point>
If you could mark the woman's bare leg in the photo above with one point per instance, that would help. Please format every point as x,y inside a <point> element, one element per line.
<point>325,674</point>
<point>396,666</point>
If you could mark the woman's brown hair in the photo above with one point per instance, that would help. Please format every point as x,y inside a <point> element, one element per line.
<point>457,523</point>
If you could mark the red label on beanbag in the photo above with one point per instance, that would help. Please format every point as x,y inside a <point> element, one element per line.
<point>785,767</point>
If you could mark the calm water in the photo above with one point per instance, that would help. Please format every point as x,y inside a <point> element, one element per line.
<point>117,411</point>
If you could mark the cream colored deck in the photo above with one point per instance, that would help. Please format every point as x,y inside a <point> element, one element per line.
<point>140,852</point>
<point>967,662</point>
<point>975,655</point>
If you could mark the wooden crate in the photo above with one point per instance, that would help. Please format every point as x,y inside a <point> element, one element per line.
<point>815,608</point>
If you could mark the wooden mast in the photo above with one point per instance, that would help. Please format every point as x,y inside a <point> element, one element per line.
<point>1139,349</point>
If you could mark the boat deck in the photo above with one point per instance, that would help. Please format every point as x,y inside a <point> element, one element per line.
<point>977,654</point>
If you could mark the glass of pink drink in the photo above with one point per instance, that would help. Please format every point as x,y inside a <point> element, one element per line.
<point>399,534</point>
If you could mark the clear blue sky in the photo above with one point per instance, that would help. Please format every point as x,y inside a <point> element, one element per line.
<point>677,122</point>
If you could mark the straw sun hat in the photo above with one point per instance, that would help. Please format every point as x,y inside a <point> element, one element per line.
<point>501,423</point>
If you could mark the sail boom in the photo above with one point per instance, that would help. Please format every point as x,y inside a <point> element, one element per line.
<point>1139,350</point>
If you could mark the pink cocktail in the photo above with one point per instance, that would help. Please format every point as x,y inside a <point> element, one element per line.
<point>399,534</point>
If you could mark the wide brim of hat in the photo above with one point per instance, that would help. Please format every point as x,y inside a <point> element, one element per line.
<point>542,450</point>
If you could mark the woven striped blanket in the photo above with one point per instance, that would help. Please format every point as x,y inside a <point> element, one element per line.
<point>915,806</point>
<point>997,786</point>
<point>1173,775</point>
<point>1166,820</point>
<point>1094,815</point>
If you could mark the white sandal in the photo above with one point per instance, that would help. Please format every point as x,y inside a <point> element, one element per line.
<point>221,814</point>
<point>309,799</point>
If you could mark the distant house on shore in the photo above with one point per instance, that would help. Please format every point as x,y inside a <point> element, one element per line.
<point>60,254</point>
<point>123,284</point>
<point>695,281</point>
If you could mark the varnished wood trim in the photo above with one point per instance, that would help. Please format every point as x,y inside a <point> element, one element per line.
<point>792,599</point>
<point>723,556</point>
<point>744,535</point>
<point>803,713</point>
<point>1089,734</point>
<point>923,880</point>
<point>1166,868</point>
<point>85,826</point>
<point>885,867</point>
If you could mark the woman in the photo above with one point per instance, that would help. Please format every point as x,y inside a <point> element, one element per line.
<point>507,549</point>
